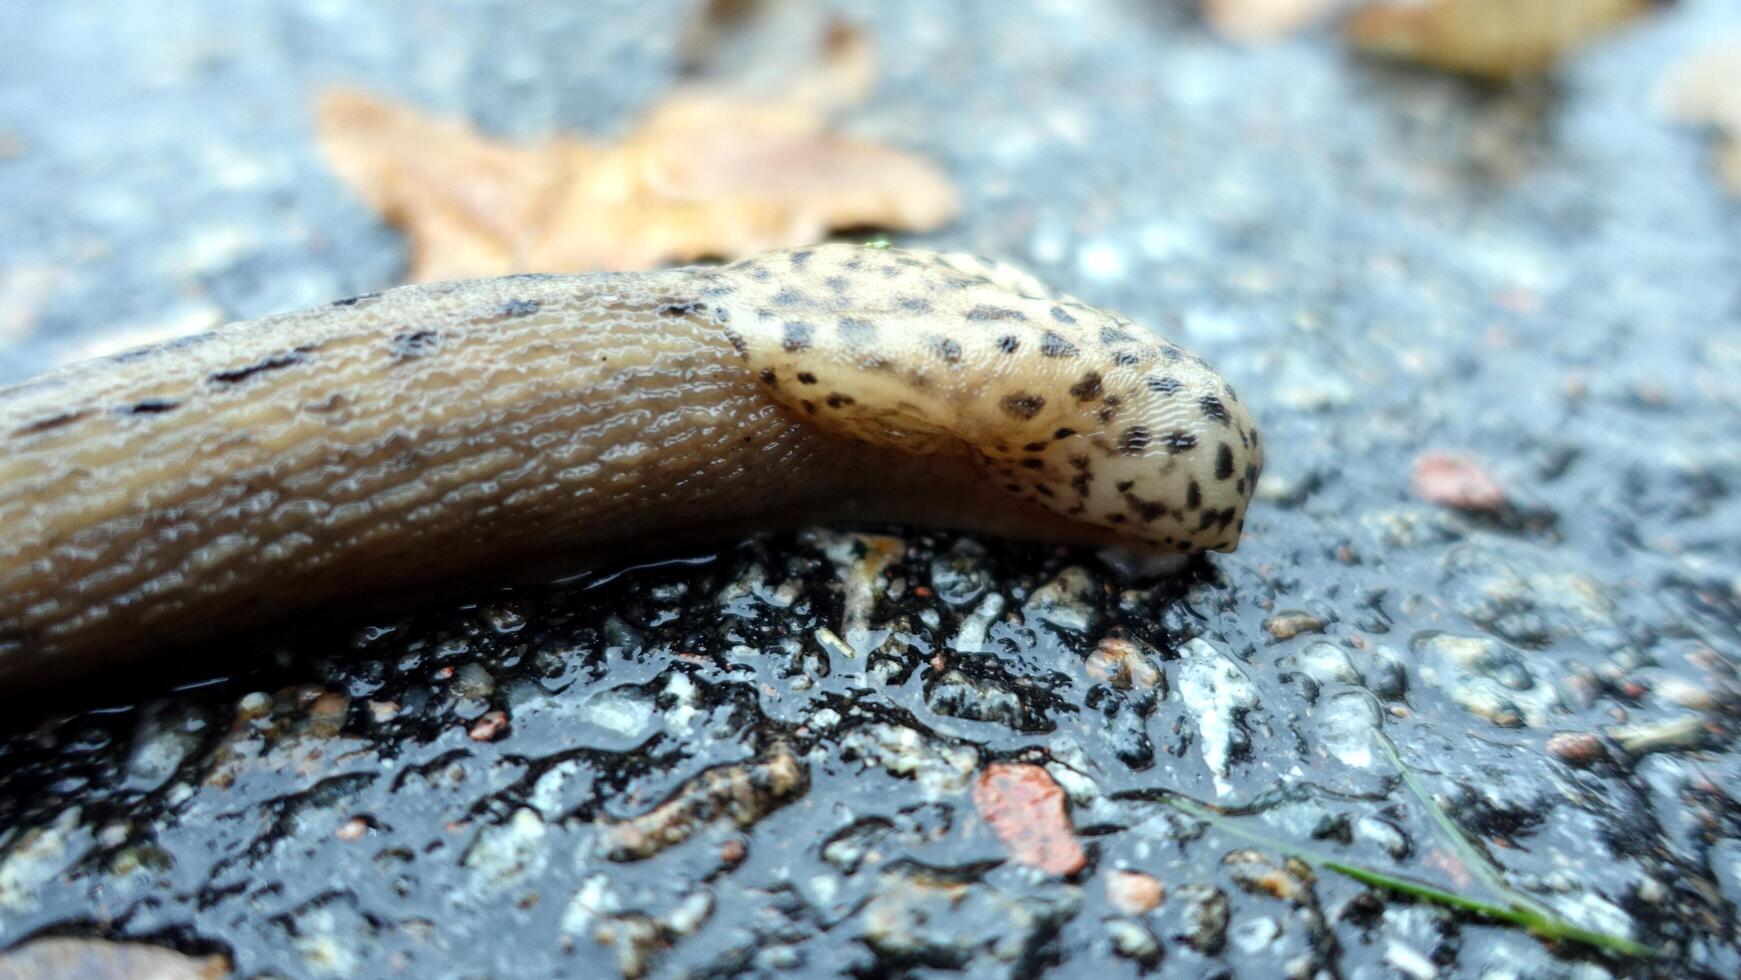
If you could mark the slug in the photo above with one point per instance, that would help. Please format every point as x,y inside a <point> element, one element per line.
<point>399,438</point>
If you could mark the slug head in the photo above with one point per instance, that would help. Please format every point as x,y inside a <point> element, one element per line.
<point>1074,408</point>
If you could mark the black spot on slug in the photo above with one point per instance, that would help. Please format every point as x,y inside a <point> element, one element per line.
<point>837,400</point>
<point>1061,316</point>
<point>1033,447</point>
<point>788,297</point>
<point>800,257</point>
<point>672,308</point>
<point>1064,433</point>
<point>947,349</point>
<point>1123,485</point>
<point>1224,462</point>
<point>53,422</point>
<point>1113,335</point>
<point>354,300</point>
<point>769,378</point>
<point>994,313</point>
<point>1022,405</point>
<point>1171,353</point>
<point>737,343</point>
<point>1133,440</point>
<point>1032,463</point>
<point>798,337</point>
<point>1193,496</point>
<point>527,307</point>
<point>806,378</point>
<point>1087,389</point>
<point>1212,408</point>
<point>1148,510</point>
<point>410,345</point>
<point>151,406</point>
<point>1178,441</point>
<point>278,363</point>
<point>1054,345</point>
<point>1008,344</point>
<point>1166,386</point>
<point>1123,359</point>
<point>914,305</point>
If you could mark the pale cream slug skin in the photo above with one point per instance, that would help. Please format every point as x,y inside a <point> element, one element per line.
<point>416,434</point>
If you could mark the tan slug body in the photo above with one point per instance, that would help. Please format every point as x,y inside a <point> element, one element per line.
<point>403,437</point>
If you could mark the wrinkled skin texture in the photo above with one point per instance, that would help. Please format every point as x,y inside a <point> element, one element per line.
<point>405,437</point>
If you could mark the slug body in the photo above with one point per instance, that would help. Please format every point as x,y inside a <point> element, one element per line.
<point>411,435</point>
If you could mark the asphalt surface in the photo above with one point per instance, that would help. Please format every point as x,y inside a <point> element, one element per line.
<point>1387,263</point>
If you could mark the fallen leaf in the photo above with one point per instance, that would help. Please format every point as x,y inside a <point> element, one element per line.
<point>1705,89</point>
<point>1450,480</point>
<point>97,959</point>
<point>716,170</point>
<point>1025,807</point>
<point>1259,21</point>
<point>1494,39</point>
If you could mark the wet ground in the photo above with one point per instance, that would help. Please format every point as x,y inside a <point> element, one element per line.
<point>776,757</point>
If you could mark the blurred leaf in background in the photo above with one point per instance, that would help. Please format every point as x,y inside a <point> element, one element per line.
<point>739,159</point>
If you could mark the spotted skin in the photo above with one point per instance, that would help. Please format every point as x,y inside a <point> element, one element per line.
<point>428,432</point>
<point>1071,407</point>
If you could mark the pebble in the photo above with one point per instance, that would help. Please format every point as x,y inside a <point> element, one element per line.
<point>1578,749</point>
<point>1383,672</point>
<point>1205,915</point>
<point>1134,892</point>
<point>941,769</point>
<point>1327,663</point>
<point>1666,735</point>
<point>1289,623</point>
<point>1262,874</point>
<point>65,958</point>
<point>1218,694</point>
<point>976,699</point>
<point>741,794</point>
<point>1066,602</point>
<point>505,854</point>
<point>1387,836</point>
<point>1346,725</point>
<point>1134,940</point>
<point>1024,807</point>
<point>1125,664</point>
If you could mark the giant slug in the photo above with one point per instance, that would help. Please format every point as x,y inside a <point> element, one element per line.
<point>403,437</point>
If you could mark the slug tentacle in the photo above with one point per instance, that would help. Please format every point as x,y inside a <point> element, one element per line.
<point>1071,407</point>
<point>429,431</point>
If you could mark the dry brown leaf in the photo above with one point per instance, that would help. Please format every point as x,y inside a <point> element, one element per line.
<point>1258,21</point>
<point>710,172</point>
<point>97,959</point>
<point>1496,39</point>
<point>1705,89</point>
